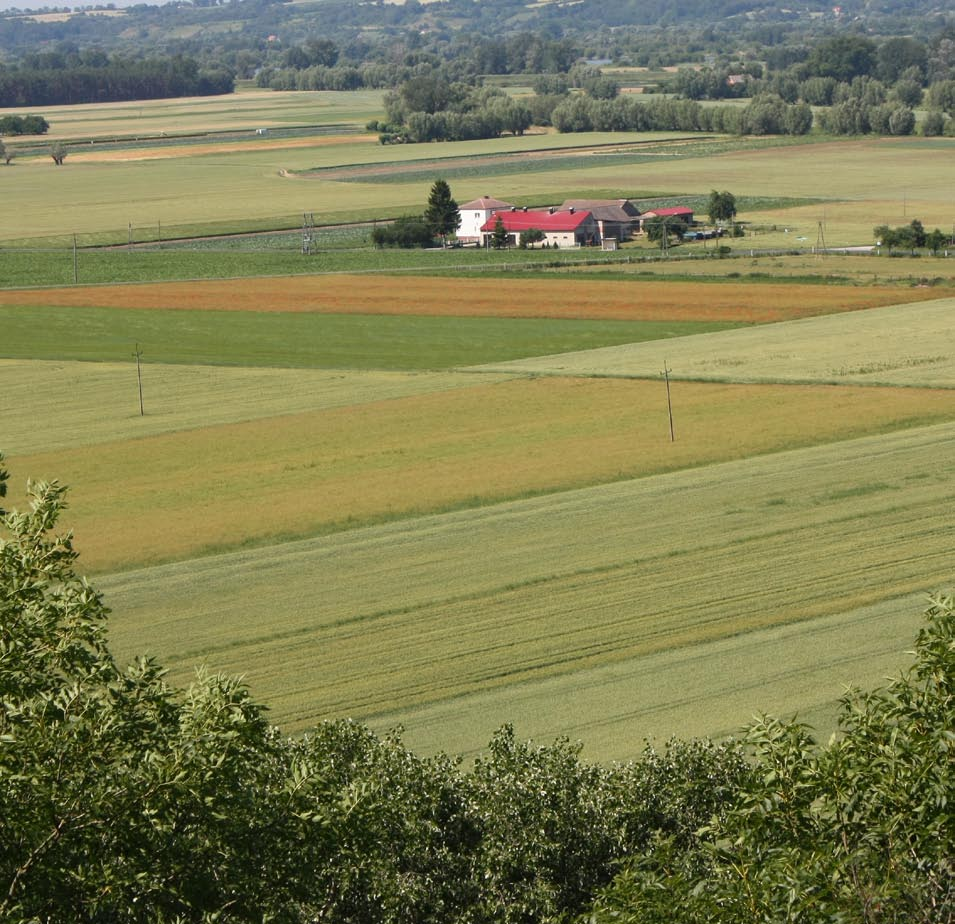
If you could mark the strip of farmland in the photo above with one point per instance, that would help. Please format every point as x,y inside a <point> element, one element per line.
<point>897,345</point>
<point>182,494</point>
<point>587,299</point>
<point>407,616</point>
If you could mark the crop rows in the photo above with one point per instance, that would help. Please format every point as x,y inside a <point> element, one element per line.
<point>390,620</point>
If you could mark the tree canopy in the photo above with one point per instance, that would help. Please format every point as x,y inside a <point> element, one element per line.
<point>721,206</point>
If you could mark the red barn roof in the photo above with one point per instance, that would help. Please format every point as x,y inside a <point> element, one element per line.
<point>543,221</point>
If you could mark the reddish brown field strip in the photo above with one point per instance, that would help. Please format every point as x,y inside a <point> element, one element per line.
<point>624,300</point>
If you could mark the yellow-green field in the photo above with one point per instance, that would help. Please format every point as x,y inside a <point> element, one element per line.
<point>186,493</point>
<point>457,612</point>
<point>861,269</point>
<point>66,405</point>
<point>245,110</point>
<point>897,345</point>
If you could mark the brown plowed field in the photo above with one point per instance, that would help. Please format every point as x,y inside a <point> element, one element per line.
<point>645,300</point>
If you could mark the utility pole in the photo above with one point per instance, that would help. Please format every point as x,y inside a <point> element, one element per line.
<point>666,377</point>
<point>139,376</point>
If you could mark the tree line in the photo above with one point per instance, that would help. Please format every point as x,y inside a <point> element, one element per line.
<point>124,799</point>
<point>109,80</point>
<point>865,85</point>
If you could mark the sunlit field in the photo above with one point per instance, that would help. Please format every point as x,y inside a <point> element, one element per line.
<point>449,489</point>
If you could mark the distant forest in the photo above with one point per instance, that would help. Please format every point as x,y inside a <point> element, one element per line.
<point>873,59</point>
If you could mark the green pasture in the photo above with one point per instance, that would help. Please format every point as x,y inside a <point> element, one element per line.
<point>245,110</point>
<point>52,405</point>
<point>803,268</point>
<point>308,340</point>
<point>142,500</point>
<point>390,623</point>
<point>905,345</point>
<point>58,267</point>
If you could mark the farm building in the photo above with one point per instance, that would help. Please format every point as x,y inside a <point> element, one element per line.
<point>616,218</point>
<point>677,211</point>
<point>474,214</point>
<point>561,229</point>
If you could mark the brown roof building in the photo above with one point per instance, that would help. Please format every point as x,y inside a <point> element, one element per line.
<point>616,218</point>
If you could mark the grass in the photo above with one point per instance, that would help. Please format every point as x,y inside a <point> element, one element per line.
<point>903,345</point>
<point>56,267</point>
<point>246,110</point>
<point>706,688</point>
<point>406,622</point>
<point>56,405</point>
<point>184,494</point>
<point>247,183</point>
<point>308,340</point>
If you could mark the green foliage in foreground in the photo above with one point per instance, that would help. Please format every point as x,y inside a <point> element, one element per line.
<point>310,340</point>
<point>125,800</point>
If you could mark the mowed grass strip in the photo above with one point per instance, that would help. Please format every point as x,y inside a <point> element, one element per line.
<point>55,405</point>
<point>589,299</point>
<point>709,688</point>
<point>310,340</point>
<point>180,495</point>
<point>909,345</point>
<point>404,616</point>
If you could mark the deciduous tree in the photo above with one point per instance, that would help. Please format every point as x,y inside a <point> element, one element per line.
<point>721,207</point>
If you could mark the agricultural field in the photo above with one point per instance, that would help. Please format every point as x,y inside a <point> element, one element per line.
<point>439,489</point>
<point>900,345</point>
<point>572,590</point>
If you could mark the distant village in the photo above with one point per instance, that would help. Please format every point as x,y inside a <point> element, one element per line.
<point>575,223</point>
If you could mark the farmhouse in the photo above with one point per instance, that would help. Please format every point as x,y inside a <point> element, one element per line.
<point>616,218</point>
<point>560,229</point>
<point>474,214</point>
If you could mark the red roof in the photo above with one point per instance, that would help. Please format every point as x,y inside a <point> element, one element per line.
<point>544,221</point>
<point>670,212</point>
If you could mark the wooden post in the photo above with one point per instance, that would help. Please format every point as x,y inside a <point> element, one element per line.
<point>139,376</point>
<point>666,378</point>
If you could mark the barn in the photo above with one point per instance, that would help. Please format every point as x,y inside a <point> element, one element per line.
<point>572,228</point>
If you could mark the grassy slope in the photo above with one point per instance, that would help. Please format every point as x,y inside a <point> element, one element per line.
<point>393,619</point>
<point>572,612</point>
<point>56,405</point>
